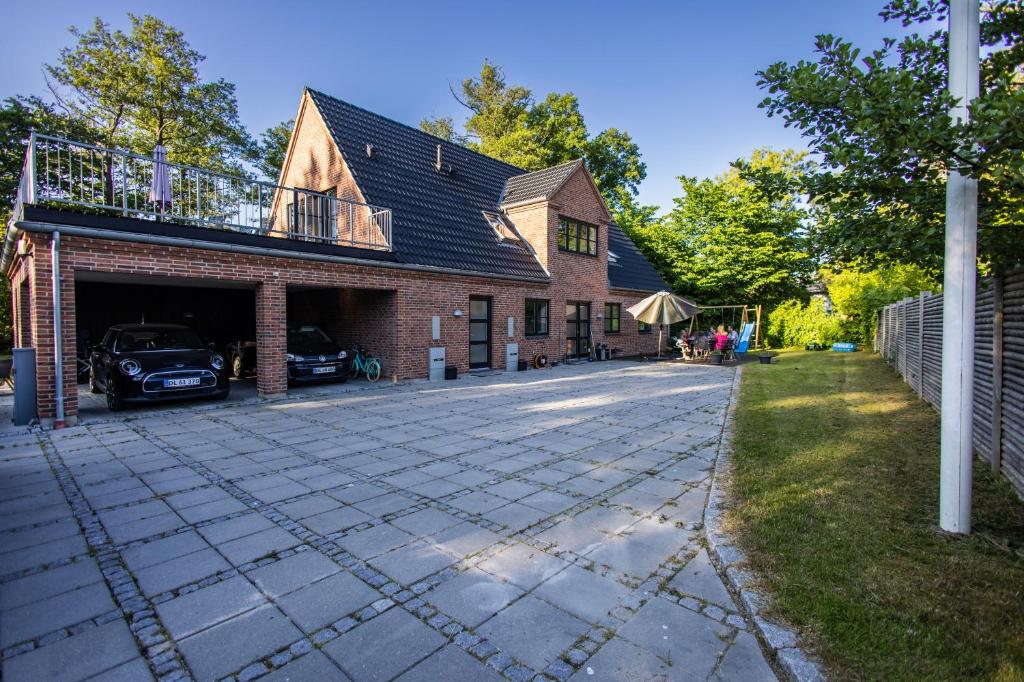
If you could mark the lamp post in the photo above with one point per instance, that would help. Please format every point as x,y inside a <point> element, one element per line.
<point>960,276</point>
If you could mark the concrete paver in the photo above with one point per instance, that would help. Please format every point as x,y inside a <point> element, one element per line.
<point>495,527</point>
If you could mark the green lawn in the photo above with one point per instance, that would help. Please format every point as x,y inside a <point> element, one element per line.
<point>836,480</point>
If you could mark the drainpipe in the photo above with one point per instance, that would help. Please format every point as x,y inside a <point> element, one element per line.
<point>58,355</point>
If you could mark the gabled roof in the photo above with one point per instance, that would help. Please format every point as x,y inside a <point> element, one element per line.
<point>437,217</point>
<point>627,267</point>
<point>538,185</point>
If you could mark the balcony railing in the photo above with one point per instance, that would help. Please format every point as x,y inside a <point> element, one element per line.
<point>59,172</point>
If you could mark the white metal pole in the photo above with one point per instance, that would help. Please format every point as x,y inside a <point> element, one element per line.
<point>959,286</point>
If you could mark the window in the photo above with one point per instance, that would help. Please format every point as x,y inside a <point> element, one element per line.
<point>643,327</point>
<point>577,237</point>
<point>504,231</point>
<point>612,317</point>
<point>536,317</point>
<point>313,215</point>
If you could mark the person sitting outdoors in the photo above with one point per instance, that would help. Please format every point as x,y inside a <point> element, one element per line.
<point>734,337</point>
<point>720,338</point>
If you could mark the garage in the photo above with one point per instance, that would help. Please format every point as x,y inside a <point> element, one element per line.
<point>365,317</point>
<point>221,314</point>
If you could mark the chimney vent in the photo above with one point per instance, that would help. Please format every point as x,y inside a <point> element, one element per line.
<point>440,166</point>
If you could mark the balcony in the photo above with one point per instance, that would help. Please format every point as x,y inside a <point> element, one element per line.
<point>64,174</point>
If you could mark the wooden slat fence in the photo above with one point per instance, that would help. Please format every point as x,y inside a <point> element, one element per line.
<point>909,338</point>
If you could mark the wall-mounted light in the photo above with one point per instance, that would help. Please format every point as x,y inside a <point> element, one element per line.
<point>457,313</point>
<point>600,316</point>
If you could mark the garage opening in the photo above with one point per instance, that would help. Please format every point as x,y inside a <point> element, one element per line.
<point>221,314</point>
<point>349,316</point>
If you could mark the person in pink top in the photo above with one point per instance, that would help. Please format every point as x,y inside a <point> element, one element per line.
<point>720,338</point>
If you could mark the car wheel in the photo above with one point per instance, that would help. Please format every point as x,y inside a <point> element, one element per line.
<point>225,394</point>
<point>114,403</point>
<point>237,368</point>
<point>93,388</point>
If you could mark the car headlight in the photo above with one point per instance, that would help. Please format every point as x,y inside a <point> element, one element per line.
<point>289,357</point>
<point>342,355</point>
<point>130,367</point>
<point>216,361</point>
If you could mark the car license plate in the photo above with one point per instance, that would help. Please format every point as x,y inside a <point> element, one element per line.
<point>179,383</point>
<point>324,370</point>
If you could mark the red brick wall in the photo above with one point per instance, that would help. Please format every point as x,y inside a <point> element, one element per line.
<point>314,163</point>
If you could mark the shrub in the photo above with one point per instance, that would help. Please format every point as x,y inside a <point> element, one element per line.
<point>795,324</point>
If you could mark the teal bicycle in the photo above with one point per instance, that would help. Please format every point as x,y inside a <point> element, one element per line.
<point>364,363</point>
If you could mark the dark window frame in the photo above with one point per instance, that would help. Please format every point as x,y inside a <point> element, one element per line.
<point>571,237</point>
<point>610,308</point>
<point>643,327</point>
<point>537,303</point>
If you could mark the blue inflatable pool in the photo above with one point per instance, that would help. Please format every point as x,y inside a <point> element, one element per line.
<point>844,347</point>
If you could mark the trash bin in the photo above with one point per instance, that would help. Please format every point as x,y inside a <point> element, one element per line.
<point>523,364</point>
<point>451,372</point>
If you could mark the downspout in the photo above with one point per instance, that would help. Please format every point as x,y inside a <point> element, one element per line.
<point>58,355</point>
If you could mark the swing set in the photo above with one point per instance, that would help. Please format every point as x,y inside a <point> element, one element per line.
<point>748,331</point>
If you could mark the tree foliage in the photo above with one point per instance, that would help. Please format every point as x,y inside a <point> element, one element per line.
<point>272,148</point>
<point>141,88</point>
<point>858,293</point>
<point>506,122</point>
<point>879,122</point>
<point>795,323</point>
<point>738,237</point>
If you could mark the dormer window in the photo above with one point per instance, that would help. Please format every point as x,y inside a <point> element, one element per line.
<point>577,237</point>
<point>505,232</point>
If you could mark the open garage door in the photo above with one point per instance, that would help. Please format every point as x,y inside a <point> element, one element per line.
<point>221,314</point>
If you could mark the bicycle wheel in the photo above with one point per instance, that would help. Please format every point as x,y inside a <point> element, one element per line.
<point>353,371</point>
<point>373,369</point>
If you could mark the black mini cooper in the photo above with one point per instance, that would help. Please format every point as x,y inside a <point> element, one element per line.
<point>138,363</point>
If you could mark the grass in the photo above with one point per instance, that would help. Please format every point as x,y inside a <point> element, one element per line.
<point>836,480</point>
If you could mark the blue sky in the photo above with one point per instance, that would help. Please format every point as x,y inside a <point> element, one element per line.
<point>678,76</point>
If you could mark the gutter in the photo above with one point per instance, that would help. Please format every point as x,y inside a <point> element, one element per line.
<point>58,337</point>
<point>96,233</point>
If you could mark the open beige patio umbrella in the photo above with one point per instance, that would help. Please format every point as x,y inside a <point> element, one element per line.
<point>663,308</point>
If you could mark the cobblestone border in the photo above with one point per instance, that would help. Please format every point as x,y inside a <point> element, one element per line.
<point>780,640</point>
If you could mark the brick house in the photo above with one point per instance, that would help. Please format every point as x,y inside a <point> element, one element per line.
<point>381,234</point>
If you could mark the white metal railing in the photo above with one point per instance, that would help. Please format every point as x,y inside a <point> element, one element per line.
<point>60,172</point>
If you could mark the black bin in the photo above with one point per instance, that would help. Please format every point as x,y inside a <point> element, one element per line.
<point>451,372</point>
<point>523,364</point>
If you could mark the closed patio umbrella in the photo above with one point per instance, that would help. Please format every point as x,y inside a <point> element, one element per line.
<point>663,308</point>
<point>160,189</point>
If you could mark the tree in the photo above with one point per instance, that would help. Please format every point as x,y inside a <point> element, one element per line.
<point>272,148</point>
<point>859,292</point>
<point>879,122</point>
<point>507,123</point>
<point>19,116</point>
<point>143,88</point>
<point>740,237</point>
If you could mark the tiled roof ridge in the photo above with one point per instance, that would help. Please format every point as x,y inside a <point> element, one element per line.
<point>320,93</point>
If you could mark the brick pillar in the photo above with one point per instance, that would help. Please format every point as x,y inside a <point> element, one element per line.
<point>271,338</point>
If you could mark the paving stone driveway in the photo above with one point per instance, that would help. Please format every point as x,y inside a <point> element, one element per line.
<point>539,523</point>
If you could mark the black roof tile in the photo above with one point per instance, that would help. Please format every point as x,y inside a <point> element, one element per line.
<point>627,267</point>
<point>437,217</point>
<point>538,184</point>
